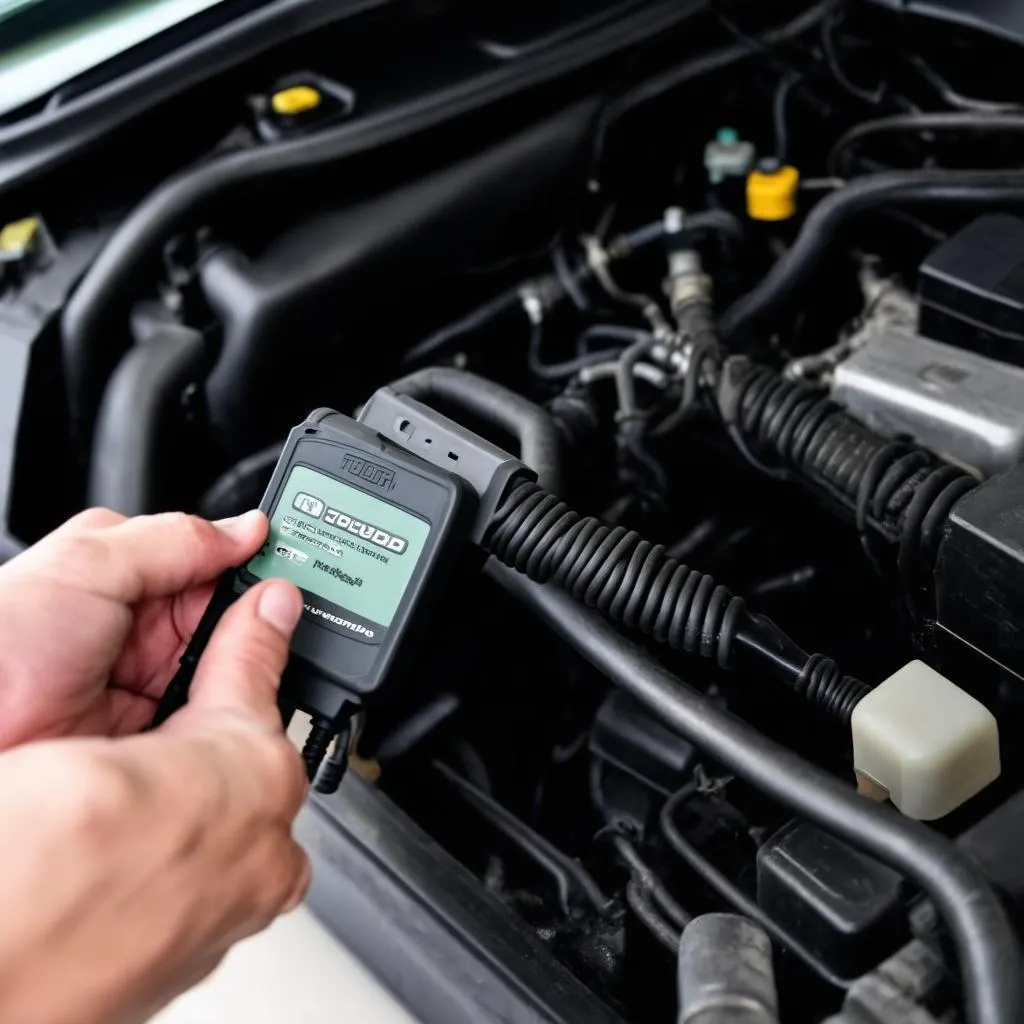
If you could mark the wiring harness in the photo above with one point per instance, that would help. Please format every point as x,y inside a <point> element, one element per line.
<point>637,584</point>
<point>900,489</point>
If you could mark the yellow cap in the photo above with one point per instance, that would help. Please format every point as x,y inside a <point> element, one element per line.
<point>299,99</point>
<point>17,237</point>
<point>771,193</point>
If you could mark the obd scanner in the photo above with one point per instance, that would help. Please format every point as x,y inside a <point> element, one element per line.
<point>367,518</point>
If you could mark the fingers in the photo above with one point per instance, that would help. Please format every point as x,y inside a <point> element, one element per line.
<point>187,836</point>
<point>240,671</point>
<point>149,556</point>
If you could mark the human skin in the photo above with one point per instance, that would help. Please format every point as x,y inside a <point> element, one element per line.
<point>134,860</point>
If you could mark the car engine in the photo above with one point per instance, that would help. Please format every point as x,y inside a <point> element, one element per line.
<point>719,715</point>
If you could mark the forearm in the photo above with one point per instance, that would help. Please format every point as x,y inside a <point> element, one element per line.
<point>118,892</point>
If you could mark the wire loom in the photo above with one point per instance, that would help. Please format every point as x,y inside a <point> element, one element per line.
<point>903,491</point>
<point>639,585</point>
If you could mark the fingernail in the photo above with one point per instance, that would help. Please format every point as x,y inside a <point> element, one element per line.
<point>281,607</point>
<point>240,527</point>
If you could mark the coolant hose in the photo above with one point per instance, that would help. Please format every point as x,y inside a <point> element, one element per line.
<point>492,403</point>
<point>143,393</point>
<point>638,584</point>
<point>820,231</point>
<point>990,960</point>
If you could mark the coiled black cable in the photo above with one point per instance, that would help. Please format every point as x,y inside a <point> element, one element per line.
<point>901,489</point>
<point>640,585</point>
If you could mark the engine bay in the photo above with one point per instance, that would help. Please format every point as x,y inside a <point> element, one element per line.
<point>722,704</point>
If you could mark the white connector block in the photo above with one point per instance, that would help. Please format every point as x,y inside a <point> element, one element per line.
<point>924,740</point>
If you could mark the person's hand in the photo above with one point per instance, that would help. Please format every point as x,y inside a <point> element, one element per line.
<point>131,865</point>
<point>94,618</point>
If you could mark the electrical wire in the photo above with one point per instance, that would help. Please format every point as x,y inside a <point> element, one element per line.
<point>609,332</point>
<point>702,355</point>
<point>731,893</point>
<point>839,157</point>
<point>598,259</point>
<point>608,371</point>
<point>782,93</point>
<point>645,877</point>
<point>631,419</point>
<point>638,900</point>
<point>703,221</point>
<point>473,321</point>
<point>828,45</point>
<point>570,281</point>
<point>567,368</point>
<point>956,99</point>
<point>667,81</point>
<point>625,383</point>
<point>569,875</point>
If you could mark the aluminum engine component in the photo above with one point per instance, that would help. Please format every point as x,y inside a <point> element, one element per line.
<point>725,973</point>
<point>966,407</point>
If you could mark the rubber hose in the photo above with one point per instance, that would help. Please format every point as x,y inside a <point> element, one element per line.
<point>492,403</point>
<point>143,393</point>
<point>638,584</point>
<point>625,384</point>
<point>242,486</point>
<point>713,220</point>
<point>475,320</point>
<point>900,124</point>
<point>989,955</point>
<point>775,293</point>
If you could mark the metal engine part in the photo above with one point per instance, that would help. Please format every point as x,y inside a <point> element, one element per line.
<point>968,408</point>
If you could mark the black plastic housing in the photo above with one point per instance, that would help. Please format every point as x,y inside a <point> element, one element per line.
<point>972,289</point>
<point>358,664</point>
<point>979,578</point>
<point>844,907</point>
<point>637,760</point>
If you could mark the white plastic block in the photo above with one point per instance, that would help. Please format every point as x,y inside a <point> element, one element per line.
<point>926,741</point>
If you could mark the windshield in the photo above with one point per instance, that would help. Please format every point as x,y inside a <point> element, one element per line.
<point>9,7</point>
<point>44,43</point>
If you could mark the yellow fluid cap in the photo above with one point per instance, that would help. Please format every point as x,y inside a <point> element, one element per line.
<point>17,237</point>
<point>299,99</point>
<point>772,191</point>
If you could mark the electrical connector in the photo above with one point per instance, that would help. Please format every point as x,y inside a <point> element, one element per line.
<point>928,744</point>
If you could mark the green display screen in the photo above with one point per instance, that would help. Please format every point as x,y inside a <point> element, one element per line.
<point>343,545</point>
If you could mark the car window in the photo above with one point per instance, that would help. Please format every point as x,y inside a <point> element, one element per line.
<point>44,43</point>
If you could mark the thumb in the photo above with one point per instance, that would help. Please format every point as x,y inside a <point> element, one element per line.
<point>240,670</point>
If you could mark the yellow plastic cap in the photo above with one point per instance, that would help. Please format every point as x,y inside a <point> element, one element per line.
<point>771,194</point>
<point>17,237</point>
<point>299,99</point>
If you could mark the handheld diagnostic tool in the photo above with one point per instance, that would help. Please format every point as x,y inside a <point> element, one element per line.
<point>365,531</point>
<point>366,519</point>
